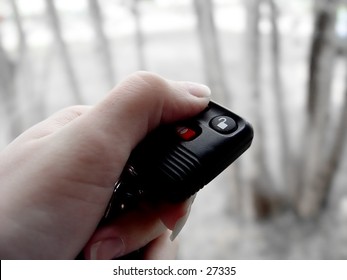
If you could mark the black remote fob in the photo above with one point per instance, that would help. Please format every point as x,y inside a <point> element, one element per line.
<point>177,160</point>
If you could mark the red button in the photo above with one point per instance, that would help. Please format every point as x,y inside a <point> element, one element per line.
<point>185,133</point>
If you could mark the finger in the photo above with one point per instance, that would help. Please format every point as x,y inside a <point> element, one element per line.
<point>54,122</point>
<point>135,230</point>
<point>126,234</point>
<point>171,213</point>
<point>161,248</point>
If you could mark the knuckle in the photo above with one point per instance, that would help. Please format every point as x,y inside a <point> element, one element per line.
<point>149,81</point>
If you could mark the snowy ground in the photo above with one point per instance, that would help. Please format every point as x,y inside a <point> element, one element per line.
<point>213,233</point>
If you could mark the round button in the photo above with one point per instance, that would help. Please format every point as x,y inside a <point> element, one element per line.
<point>223,124</point>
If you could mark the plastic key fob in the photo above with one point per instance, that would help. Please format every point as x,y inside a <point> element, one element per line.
<point>177,160</point>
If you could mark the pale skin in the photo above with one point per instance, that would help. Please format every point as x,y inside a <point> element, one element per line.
<point>58,176</point>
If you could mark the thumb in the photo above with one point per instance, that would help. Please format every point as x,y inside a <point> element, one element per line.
<point>143,101</point>
<point>135,107</point>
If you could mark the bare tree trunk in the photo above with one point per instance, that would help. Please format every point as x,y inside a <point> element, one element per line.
<point>211,52</point>
<point>20,68</point>
<point>8,70</point>
<point>321,70</point>
<point>280,108</point>
<point>8,94</point>
<point>24,75</point>
<point>139,36</point>
<point>254,203</point>
<point>328,169</point>
<point>323,39</point>
<point>20,29</point>
<point>252,53</point>
<point>70,73</point>
<point>254,65</point>
<point>262,198</point>
<point>102,41</point>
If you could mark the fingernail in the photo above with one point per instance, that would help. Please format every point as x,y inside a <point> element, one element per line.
<point>182,221</point>
<point>107,249</point>
<point>199,90</point>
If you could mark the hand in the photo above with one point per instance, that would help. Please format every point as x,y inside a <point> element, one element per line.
<point>57,177</point>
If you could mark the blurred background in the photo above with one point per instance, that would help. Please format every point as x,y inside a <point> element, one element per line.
<point>279,64</point>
